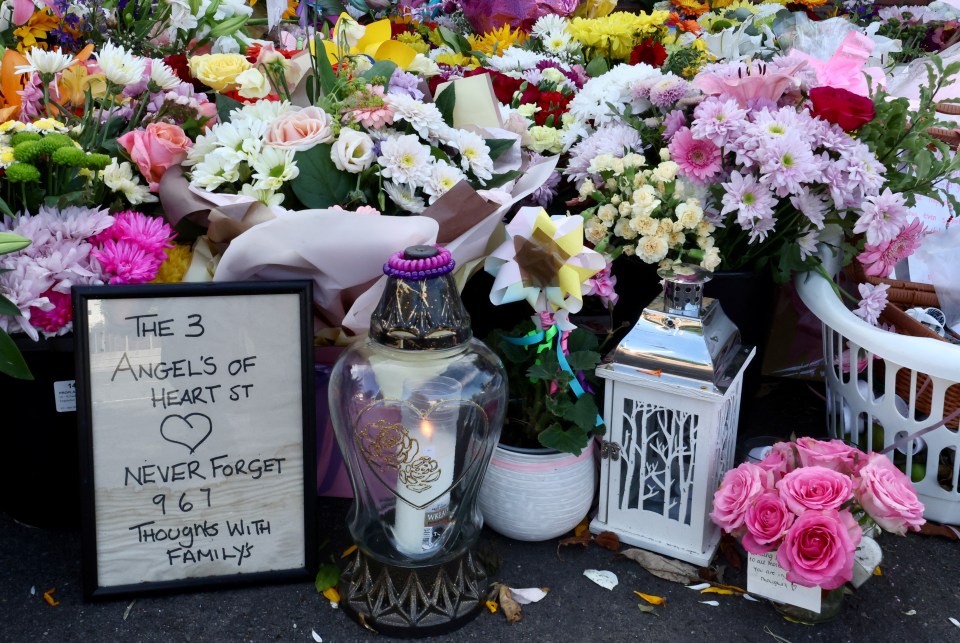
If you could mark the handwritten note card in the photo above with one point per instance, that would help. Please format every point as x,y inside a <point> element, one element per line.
<point>766,578</point>
<point>196,435</point>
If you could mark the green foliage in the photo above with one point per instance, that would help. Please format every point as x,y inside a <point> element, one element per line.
<point>446,101</point>
<point>539,418</point>
<point>327,576</point>
<point>11,361</point>
<point>320,184</point>
<point>597,67</point>
<point>225,105</point>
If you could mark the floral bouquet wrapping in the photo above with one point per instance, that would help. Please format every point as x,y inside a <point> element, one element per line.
<point>810,501</point>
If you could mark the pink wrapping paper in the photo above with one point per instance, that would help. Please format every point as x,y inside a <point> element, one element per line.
<point>487,15</point>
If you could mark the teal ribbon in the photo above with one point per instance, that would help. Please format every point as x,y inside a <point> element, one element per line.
<point>545,339</point>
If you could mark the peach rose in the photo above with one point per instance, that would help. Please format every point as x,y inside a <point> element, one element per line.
<point>301,129</point>
<point>156,148</point>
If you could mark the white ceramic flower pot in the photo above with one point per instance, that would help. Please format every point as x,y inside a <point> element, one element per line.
<point>537,494</point>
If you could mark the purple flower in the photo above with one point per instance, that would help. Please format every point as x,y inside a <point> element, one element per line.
<point>718,120</point>
<point>753,203</point>
<point>672,123</point>
<point>787,163</point>
<point>874,300</point>
<point>667,91</point>
<point>811,206</point>
<point>609,139</point>
<point>882,217</point>
<point>403,83</point>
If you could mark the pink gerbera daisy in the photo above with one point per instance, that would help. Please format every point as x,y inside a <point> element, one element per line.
<point>880,259</point>
<point>126,262</point>
<point>698,159</point>
<point>371,112</point>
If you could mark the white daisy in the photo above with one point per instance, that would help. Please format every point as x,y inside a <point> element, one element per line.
<point>243,137</point>
<point>119,66</point>
<point>119,178</point>
<point>405,160</point>
<point>266,197</point>
<point>162,76</point>
<point>45,63</point>
<point>274,167</point>
<point>215,169</point>
<point>474,154</point>
<point>404,197</point>
<point>425,118</point>
<point>548,24</point>
<point>443,177</point>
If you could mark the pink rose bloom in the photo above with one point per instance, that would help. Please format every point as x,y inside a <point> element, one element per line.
<point>780,461</point>
<point>818,549</point>
<point>155,149</point>
<point>767,520</point>
<point>737,491</point>
<point>816,488</point>
<point>887,495</point>
<point>301,129</point>
<point>832,454</point>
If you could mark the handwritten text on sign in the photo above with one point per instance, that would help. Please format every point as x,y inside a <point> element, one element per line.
<point>766,578</point>
<point>197,422</point>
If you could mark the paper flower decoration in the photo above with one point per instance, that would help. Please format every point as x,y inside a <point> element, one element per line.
<point>372,40</point>
<point>543,261</point>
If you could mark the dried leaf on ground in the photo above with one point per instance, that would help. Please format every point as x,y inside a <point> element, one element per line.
<point>608,540</point>
<point>527,595</point>
<point>954,621</point>
<point>511,608</point>
<point>933,529</point>
<point>650,598</point>
<point>331,594</point>
<point>661,567</point>
<point>647,609</point>
<point>126,612</point>
<point>583,539</point>
<point>492,606</point>
<point>48,596</point>
<point>327,576</point>
<point>582,528</point>
<point>602,577</point>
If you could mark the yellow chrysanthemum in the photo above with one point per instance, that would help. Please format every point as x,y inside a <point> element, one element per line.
<point>34,31</point>
<point>616,35</point>
<point>497,41</point>
<point>414,41</point>
<point>175,267</point>
<point>6,156</point>
<point>456,60</point>
<point>11,126</point>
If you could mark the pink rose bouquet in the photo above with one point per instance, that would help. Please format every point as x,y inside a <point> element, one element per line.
<point>807,501</point>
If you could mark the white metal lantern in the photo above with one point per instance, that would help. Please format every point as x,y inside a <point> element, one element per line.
<point>671,405</point>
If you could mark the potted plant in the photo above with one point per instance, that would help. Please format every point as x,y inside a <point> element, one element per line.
<point>542,478</point>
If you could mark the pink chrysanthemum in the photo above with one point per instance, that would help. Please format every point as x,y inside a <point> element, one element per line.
<point>880,259</point>
<point>672,123</point>
<point>126,262</point>
<point>375,116</point>
<point>718,120</point>
<point>874,300</point>
<point>882,217</point>
<point>698,159</point>
<point>56,319</point>
<point>150,233</point>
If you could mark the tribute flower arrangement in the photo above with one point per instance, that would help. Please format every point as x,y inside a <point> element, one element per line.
<point>808,500</point>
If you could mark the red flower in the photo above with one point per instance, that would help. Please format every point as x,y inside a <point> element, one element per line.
<point>650,52</point>
<point>235,95</point>
<point>178,63</point>
<point>504,86</point>
<point>253,52</point>
<point>844,108</point>
<point>551,104</point>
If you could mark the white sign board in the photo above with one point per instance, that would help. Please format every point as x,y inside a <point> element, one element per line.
<point>197,434</point>
<point>766,578</point>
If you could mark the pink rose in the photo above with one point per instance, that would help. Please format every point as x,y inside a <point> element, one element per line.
<point>767,520</point>
<point>301,129</point>
<point>815,488</point>
<point>155,149</point>
<point>737,491</point>
<point>832,454</point>
<point>780,461</point>
<point>818,549</point>
<point>886,494</point>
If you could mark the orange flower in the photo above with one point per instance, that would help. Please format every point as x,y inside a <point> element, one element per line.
<point>33,33</point>
<point>691,7</point>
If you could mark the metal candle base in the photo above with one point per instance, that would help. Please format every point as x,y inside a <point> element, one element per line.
<point>413,601</point>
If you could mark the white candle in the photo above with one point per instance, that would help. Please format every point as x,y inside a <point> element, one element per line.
<point>430,416</point>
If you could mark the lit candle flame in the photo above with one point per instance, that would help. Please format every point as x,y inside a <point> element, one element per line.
<point>426,429</point>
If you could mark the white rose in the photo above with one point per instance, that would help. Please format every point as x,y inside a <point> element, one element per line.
<point>423,66</point>
<point>252,84</point>
<point>553,75</point>
<point>353,151</point>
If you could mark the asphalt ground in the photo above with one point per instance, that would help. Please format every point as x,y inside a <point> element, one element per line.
<point>913,600</point>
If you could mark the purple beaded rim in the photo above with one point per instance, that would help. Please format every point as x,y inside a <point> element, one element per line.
<point>427,268</point>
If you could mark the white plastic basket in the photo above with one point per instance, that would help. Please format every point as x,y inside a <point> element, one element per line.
<point>861,364</point>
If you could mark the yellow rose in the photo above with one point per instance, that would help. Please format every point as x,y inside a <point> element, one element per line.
<point>218,71</point>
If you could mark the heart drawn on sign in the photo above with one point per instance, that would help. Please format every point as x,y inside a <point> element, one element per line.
<point>394,452</point>
<point>190,430</point>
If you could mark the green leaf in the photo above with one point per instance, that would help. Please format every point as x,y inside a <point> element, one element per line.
<point>500,179</point>
<point>572,440</point>
<point>584,413</point>
<point>225,105</point>
<point>382,69</point>
<point>445,102</point>
<point>11,361</point>
<point>583,360</point>
<point>597,67</point>
<point>328,79</point>
<point>327,576</point>
<point>582,340</point>
<point>320,184</point>
<point>7,307</point>
<point>5,209</point>
<point>498,146</point>
<point>543,370</point>
<point>10,242</point>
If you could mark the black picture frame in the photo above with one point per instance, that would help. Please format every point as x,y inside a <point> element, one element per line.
<point>94,586</point>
